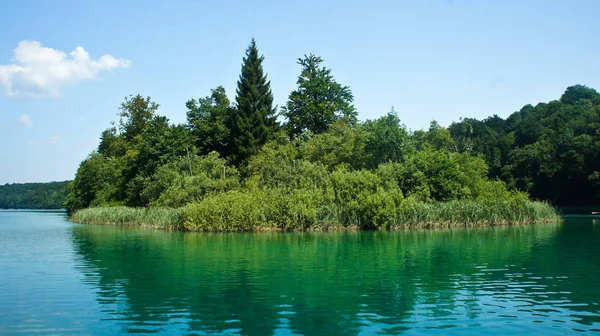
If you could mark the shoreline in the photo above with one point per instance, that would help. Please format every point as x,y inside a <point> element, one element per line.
<point>424,216</point>
<point>340,228</point>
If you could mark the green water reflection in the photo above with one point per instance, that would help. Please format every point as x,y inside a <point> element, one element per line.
<point>540,278</point>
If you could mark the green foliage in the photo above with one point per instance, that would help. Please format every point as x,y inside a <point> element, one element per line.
<point>438,138</point>
<point>318,101</point>
<point>127,157</point>
<point>361,198</point>
<point>343,146</point>
<point>387,140</point>
<point>486,138</point>
<point>208,120</point>
<point>159,144</point>
<point>97,182</point>
<point>575,93</point>
<point>184,181</point>
<point>549,151</point>
<point>330,170</point>
<point>135,113</point>
<point>51,195</point>
<point>111,144</point>
<point>455,213</point>
<point>280,166</point>
<point>432,175</point>
<point>232,211</point>
<point>304,210</point>
<point>275,209</point>
<point>253,121</point>
<point>157,218</point>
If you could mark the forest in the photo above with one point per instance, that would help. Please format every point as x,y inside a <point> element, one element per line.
<point>313,161</point>
<point>550,150</point>
<point>50,195</point>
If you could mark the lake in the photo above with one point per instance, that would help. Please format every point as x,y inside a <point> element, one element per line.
<point>57,277</point>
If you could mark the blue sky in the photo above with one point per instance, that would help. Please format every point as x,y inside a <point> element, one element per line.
<point>430,59</point>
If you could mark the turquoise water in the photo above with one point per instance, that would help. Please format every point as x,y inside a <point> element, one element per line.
<point>57,277</point>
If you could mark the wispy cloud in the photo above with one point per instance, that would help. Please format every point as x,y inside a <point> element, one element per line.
<point>24,118</point>
<point>37,70</point>
<point>54,139</point>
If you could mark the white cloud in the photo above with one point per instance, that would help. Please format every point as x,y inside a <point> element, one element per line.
<point>54,139</point>
<point>24,118</point>
<point>37,70</point>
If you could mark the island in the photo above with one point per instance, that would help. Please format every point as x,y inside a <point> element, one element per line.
<point>313,165</point>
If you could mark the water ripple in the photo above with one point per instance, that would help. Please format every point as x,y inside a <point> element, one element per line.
<point>60,278</point>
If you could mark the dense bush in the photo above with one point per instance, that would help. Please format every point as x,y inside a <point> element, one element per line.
<point>359,199</point>
<point>343,146</point>
<point>281,166</point>
<point>184,181</point>
<point>304,210</point>
<point>276,209</point>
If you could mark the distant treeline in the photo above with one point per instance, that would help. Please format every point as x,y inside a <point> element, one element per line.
<point>550,150</point>
<point>51,195</point>
<point>322,165</point>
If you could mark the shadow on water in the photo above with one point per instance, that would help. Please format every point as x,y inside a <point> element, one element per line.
<point>348,282</point>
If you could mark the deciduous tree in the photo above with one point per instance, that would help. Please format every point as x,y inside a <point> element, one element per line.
<point>318,101</point>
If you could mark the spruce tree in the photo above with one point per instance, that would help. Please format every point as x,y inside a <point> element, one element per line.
<point>253,121</point>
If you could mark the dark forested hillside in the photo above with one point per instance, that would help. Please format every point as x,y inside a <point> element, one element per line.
<point>50,195</point>
<point>550,150</point>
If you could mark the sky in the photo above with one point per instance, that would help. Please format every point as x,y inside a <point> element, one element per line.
<point>65,66</point>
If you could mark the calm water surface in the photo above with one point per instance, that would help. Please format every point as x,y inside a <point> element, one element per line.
<point>62,278</point>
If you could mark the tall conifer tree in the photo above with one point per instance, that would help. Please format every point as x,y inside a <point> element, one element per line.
<point>253,121</point>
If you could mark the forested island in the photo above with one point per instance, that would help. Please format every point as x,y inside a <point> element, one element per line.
<point>244,166</point>
<point>51,195</point>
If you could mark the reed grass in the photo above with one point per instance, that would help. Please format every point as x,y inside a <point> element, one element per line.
<point>253,212</point>
<point>156,218</point>
<point>474,213</point>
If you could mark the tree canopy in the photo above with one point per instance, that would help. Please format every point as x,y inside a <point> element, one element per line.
<point>550,150</point>
<point>318,101</point>
<point>208,120</point>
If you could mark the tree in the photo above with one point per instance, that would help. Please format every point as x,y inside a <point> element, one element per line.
<point>128,157</point>
<point>318,101</point>
<point>112,144</point>
<point>208,121</point>
<point>253,122</point>
<point>176,184</point>
<point>135,114</point>
<point>438,137</point>
<point>549,150</point>
<point>576,92</point>
<point>159,144</point>
<point>96,183</point>
<point>387,140</point>
<point>343,146</point>
<point>487,138</point>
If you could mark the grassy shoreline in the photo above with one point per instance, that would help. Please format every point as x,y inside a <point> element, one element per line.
<point>260,217</point>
